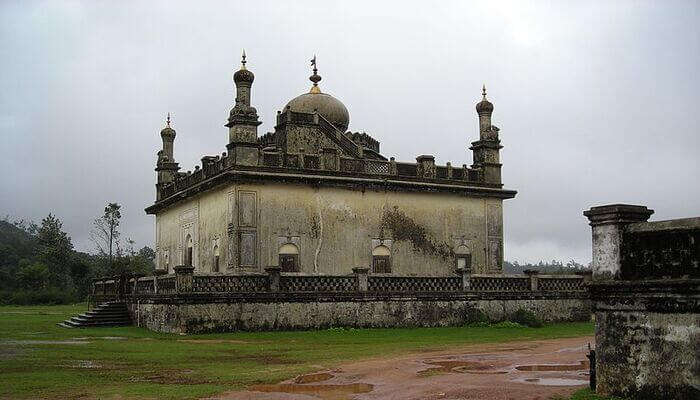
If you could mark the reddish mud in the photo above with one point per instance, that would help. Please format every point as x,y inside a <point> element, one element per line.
<point>519,370</point>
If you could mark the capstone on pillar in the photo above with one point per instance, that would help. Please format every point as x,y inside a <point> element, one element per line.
<point>608,223</point>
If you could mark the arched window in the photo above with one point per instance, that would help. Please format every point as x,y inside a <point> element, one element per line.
<point>289,258</point>
<point>463,257</point>
<point>188,250</point>
<point>381,260</point>
<point>215,265</point>
<point>166,261</point>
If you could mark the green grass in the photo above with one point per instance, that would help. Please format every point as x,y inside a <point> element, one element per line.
<point>146,364</point>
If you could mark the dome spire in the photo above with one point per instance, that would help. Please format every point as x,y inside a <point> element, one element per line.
<point>315,78</point>
<point>483,91</point>
<point>167,120</point>
<point>243,60</point>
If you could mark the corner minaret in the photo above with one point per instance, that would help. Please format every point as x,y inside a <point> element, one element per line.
<point>166,167</point>
<point>243,119</point>
<point>486,149</point>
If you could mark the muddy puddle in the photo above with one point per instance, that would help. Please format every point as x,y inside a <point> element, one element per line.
<point>469,367</point>
<point>325,392</point>
<point>313,378</point>
<point>552,381</point>
<point>582,365</point>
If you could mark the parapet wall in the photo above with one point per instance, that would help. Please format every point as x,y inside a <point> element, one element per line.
<point>646,298</point>
<point>229,313</point>
<point>188,303</point>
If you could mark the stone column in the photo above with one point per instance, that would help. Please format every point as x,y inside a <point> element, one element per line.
<point>608,223</point>
<point>361,274</point>
<point>273,278</point>
<point>534,280</point>
<point>466,274</point>
<point>183,278</point>
<point>426,166</point>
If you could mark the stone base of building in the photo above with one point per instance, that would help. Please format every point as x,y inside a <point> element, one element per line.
<point>227,313</point>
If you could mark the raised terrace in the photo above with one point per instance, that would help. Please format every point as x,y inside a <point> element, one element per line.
<point>188,302</point>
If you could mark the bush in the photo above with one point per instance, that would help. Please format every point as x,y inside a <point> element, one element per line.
<point>527,318</point>
<point>476,317</point>
<point>48,296</point>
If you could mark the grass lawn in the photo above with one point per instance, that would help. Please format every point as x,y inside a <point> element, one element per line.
<point>41,360</point>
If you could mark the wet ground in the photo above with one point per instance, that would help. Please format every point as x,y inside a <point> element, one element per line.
<point>519,370</point>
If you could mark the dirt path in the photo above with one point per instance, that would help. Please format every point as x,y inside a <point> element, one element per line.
<point>515,370</point>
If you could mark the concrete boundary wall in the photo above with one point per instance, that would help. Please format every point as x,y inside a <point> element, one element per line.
<point>187,314</point>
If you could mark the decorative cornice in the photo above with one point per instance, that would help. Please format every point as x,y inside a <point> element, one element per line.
<point>330,178</point>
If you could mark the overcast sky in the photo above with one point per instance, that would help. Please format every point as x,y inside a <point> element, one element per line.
<point>598,102</point>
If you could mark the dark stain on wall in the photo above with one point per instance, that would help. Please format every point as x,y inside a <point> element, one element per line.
<point>404,228</point>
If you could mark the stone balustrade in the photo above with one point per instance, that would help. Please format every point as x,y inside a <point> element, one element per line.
<point>273,281</point>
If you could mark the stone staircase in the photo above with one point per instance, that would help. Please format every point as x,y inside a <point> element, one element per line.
<point>113,313</point>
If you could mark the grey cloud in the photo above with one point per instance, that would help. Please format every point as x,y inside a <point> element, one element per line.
<point>597,101</point>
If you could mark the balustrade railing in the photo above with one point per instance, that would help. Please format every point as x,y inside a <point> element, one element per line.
<point>317,283</point>
<point>414,284</point>
<point>356,282</point>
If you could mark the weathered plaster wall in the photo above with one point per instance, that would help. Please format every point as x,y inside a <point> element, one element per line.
<point>253,316</point>
<point>648,355</point>
<point>335,229</point>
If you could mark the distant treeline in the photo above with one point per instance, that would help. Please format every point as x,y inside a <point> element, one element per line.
<point>544,267</point>
<point>38,264</point>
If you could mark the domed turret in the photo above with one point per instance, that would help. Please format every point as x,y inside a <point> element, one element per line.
<point>326,105</point>
<point>243,75</point>
<point>484,106</point>
<point>167,132</point>
<point>243,118</point>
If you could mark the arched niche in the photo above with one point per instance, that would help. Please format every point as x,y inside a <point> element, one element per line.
<point>463,257</point>
<point>381,260</point>
<point>215,264</point>
<point>289,257</point>
<point>189,250</point>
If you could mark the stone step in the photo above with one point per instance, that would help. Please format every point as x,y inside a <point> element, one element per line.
<point>105,314</point>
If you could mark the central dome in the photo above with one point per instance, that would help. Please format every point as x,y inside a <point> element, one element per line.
<point>326,105</point>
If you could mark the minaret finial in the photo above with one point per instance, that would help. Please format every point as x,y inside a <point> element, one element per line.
<point>243,60</point>
<point>315,78</point>
<point>167,120</point>
<point>483,91</point>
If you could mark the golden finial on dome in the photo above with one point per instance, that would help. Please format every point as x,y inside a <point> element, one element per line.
<point>315,78</point>
<point>483,91</point>
<point>243,60</point>
<point>167,121</point>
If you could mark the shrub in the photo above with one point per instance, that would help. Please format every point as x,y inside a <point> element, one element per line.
<point>476,317</point>
<point>527,318</point>
<point>48,296</point>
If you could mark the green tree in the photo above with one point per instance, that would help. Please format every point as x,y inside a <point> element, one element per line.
<point>55,250</point>
<point>34,276</point>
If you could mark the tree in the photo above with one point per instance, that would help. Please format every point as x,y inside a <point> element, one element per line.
<point>105,233</point>
<point>55,250</point>
<point>33,276</point>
